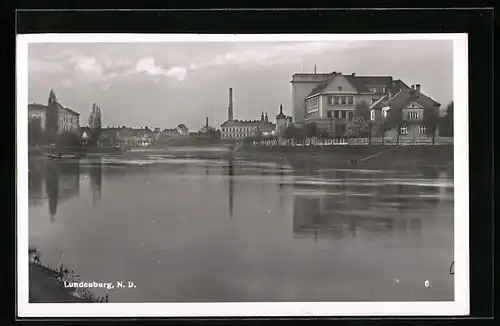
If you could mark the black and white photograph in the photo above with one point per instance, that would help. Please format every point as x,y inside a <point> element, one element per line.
<point>242,175</point>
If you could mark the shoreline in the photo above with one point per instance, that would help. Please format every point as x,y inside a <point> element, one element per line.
<point>346,156</point>
<point>47,285</point>
<point>44,286</point>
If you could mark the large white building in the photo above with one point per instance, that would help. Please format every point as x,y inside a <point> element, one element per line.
<point>233,129</point>
<point>68,120</point>
<point>330,99</point>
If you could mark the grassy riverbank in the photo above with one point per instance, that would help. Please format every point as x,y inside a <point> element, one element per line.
<point>378,157</point>
<point>44,287</point>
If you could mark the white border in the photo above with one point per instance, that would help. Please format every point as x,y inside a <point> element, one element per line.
<point>459,307</point>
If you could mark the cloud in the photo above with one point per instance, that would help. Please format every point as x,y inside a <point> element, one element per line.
<point>35,65</point>
<point>104,66</point>
<point>148,66</point>
<point>250,58</point>
<point>88,65</point>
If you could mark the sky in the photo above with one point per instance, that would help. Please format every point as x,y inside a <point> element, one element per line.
<point>165,84</point>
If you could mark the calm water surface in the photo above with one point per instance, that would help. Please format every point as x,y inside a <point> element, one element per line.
<point>185,229</point>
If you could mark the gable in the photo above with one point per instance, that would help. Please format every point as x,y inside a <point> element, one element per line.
<point>343,83</point>
<point>414,105</point>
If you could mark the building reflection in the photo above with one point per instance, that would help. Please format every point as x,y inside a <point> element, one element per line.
<point>62,181</point>
<point>230,173</point>
<point>35,182</point>
<point>95,172</point>
<point>345,207</point>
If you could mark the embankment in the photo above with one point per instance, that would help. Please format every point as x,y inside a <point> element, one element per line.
<point>44,287</point>
<point>386,157</point>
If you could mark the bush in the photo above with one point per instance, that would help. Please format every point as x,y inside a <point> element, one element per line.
<point>69,139</point>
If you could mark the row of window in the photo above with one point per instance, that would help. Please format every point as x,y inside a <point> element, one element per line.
<point>422,130</point>
<point>340,114</point>
<point>412,116</point>
<point>346,100</point>
<point>64,118</point>
<point>238,129</point>
<point>312,102</point>
<point>236,135</point>
<point>377,90</point>
<point>314,114</point>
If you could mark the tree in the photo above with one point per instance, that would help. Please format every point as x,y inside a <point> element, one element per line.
<point>51,118</point>
<point>323,134</point>
<point>311,130</point>
<point>34,130</point>
<point>95,123</point>
<point>446,124</point>
<point>362,110</point>
<point>339,131</point>
<point>394,120</point>
<point>290,132</point>
<point>431,119</point>
<point>69,139</point>
<point>357,127</point>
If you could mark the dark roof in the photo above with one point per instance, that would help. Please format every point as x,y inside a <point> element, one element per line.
<point>406,96</point>
<point>321,86</point>
<point>361,83</point>
<point>281,115</point>
<point>397,85</point>
<point>249,123</point>
<point>380,102</point>
<point>41,107</point>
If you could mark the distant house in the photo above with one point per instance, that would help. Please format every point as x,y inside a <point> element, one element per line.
<point>68,120</point>
<point>282,121</point>
<point>183,130</point>
<point>143,137</point>
<point>206,128</point>
<point>411,106</point>
<point>126,137</point>
<point>240,129</point>
<point>110,137</point>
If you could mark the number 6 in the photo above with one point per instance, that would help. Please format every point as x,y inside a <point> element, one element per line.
<point>427,283</point>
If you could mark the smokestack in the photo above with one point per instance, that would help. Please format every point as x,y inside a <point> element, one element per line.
<point>206,122</point>
<point>315,69</point>
<point>230,109</point>
<point>417,88</point>
<point>412,88</point>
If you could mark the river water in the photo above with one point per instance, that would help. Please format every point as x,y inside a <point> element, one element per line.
<point>225,229</point>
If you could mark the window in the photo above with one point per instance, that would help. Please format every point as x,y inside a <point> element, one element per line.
<point>340,88</point>
<point>312,102</point>
<point>350,100</point>
<point>344,99</point>
<point>422,129</point>
<point>403,130</point>
<point>329,114</point>
<point>384,90</point>
<point>412,115</point>
<point>351,115</point>
<point>385,113</point>
<point>372,115</point>
<point>336,114</point>
<point>342,114</point>
<point>373,89</point>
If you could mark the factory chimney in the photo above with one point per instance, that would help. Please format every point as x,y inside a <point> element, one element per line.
<point>230,108</point>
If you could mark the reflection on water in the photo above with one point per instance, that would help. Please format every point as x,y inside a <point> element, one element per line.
<point>62,182</point>
<point>237,230</point>
<point>95,172</point>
